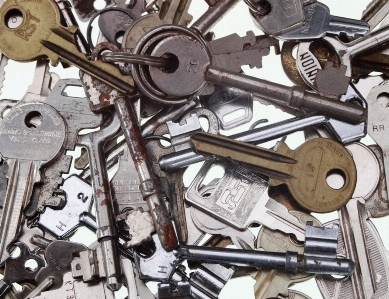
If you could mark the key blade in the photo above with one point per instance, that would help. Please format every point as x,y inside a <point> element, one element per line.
<point>103,75</point>
<point>216,144</point>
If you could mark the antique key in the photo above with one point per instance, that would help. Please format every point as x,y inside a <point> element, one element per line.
<point>35,37</point>
<point>304,170</point>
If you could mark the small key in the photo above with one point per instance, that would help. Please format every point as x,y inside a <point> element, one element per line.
<point>240,199</point>
<point>293,167</point>
<point>78,200</point>
<point>39,35</point>
<point>328,25</point>
<point>346,52</point>
<point>26,145</point>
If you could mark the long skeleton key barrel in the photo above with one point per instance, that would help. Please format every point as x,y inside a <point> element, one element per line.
<point>40,34</point>
<point>195,69</point>
<point>304,170</point>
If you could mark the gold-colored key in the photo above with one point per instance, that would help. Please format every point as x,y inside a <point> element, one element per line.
<point>30,29</point>
<point>305,170</point>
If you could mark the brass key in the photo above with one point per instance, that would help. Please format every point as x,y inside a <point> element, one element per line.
<point>41,34</point>
<point>304,170</point>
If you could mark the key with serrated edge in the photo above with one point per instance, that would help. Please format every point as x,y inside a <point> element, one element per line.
<point>41,34</point>
<point>303,170</point>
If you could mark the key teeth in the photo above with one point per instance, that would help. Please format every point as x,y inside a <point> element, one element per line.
<point>3,64</point>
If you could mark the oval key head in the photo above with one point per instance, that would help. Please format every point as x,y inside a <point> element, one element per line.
<point>32,131</point>
<point>318,159</point>
<point>24,25</point>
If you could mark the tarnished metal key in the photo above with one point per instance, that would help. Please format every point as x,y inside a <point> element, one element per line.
<point>304,170</point>
<point>31,135</point>
<point>39,35</point>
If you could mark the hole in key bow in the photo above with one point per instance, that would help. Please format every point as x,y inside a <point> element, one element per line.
<point>173,64</point>
<point>31,265</point>
<point>13,18</point>
<point>33,119</point>
<point>336,179</point>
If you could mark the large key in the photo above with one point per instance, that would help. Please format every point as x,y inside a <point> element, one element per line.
<point>304,170</point>
<point>31,135</point>
<point>195,70</point>
<point>41,34</point>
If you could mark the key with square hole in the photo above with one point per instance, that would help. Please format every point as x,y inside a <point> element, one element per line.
<point>31,135</point>
<point>239,199</point>
<point>304,170</point>
<point>39,33</point>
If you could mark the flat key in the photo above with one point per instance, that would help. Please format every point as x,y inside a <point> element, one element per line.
<point>303,170</point>
<point>39,35</point>
<point>378,122</point>
<point>346,52</point>
<point>331,25</point>
<point>26,146</point>
<point>241,198</point>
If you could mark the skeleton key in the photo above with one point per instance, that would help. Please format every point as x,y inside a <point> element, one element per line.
<point>31,135</point>
<point>195,71</point>
<point>310,163</point>
<point>64,221</point>
<point>39,35</point>
<point>106,229</point>
<point>240,199</point>
<point>272,283</point>
<point>171,12</point>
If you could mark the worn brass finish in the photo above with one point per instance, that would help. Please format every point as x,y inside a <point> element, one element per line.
<point>304,170</point>
<point>36,37</point>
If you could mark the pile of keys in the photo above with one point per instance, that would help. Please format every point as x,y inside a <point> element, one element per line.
<point>160,94</point>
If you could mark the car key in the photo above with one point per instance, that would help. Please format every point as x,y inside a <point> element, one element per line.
<point>31,135</point>
<point>293,167</point>
<point>328,25</point>
<point>36,37</point>
<point>239,199</point>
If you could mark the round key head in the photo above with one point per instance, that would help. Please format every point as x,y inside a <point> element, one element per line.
<point>24,25</point>
<point>32,131</point>
<point>318,160</point>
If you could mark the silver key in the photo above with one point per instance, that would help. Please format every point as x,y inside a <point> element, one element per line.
<point>31,135</point>
<point>378,123</point>
<point>328,24</point>
<point>346,52</point>
<point>241,238</point>
<point>63,222</point>
<point>240,198</point>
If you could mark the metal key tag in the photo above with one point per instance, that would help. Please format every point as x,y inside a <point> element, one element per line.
<point>235,195</point>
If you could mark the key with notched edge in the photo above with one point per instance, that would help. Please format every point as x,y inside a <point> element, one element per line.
<point>41,34</point>
<point>303,170</point>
